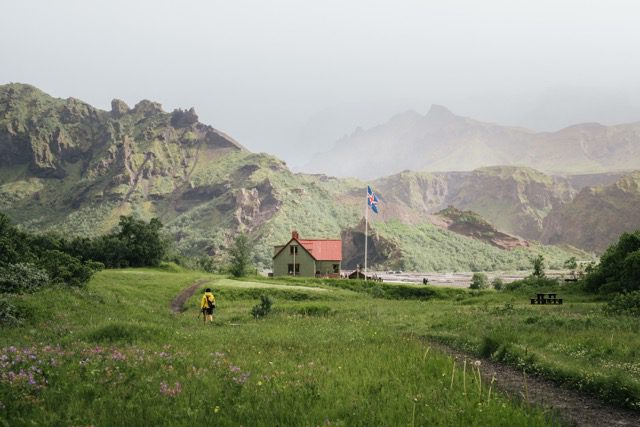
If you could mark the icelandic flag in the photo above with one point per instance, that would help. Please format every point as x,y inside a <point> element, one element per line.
<point>372,200</point>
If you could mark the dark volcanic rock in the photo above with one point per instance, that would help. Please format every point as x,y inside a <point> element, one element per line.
<point>380,251</point>
<point>118,108</point>
<point>183,118</point>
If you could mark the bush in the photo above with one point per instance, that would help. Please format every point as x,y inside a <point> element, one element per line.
<point>532,284</point>
<point>263,308</point>
<point>66,269</point>
<point>627,303</point>
<point>10,314</point>
<point>619,268</point>
<point>205,263</point>
<point>538,266</point>
<point>497,284</point>
<point>20,278</point>
<point>479,281</point>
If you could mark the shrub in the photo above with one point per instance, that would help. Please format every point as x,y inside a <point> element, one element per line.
<point>401,292</point>
<point>20,278</point>
<point>479,281</point>
<point>489,346</point>
<point>205,263</point>
<point>619,268</point>
<point>532,284</point>
<point>497,284</point>
<point>627,303</point>
<point>538,266</point>
<point>10,314</point>
<point>66,269</point>
<point>263,308</point>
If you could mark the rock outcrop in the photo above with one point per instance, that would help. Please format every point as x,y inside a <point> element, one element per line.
<point>470,224</point>
<point>381,252</point>
<point>597,215</point>
<point>514,199</point>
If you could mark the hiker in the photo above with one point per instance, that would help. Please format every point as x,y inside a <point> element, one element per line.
<point>207,305</point>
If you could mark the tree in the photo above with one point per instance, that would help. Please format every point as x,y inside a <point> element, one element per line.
<point>144,244</point>
<point>571,264</point>
<point>497,284</point>
<point>619,268</point>
<point>240,253</point>
<point>479,281</point>
<point>538,266</point>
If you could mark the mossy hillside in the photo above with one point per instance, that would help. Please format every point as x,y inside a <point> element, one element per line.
<point>426,247</point>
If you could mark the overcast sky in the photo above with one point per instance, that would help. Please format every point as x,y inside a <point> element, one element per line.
<point>290,77</point>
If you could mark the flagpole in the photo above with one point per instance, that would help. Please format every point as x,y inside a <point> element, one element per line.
<point>366,231</point>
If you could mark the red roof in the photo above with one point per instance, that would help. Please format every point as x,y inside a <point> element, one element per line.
<point>320,250</point>
<point>323,250</point>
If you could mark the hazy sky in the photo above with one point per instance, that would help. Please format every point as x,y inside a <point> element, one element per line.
<point>289,77</point>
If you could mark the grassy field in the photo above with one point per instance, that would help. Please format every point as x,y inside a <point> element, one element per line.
<point>329,353</point>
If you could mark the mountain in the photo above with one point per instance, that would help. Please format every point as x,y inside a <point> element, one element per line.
<point>70,168</point>
<point>514,199</point>
<point>597,216</point>
<point>442,141</point>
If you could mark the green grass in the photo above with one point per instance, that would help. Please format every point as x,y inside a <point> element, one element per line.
<point>574,343</point>
<point>114,354</point>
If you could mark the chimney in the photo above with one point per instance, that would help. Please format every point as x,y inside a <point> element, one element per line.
<point>295,235</point>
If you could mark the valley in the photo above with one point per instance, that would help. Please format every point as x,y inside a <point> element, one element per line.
<point>67,167</point>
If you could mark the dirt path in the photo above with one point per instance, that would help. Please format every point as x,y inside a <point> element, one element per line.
<point>178,302</point>
<point>573,407</point>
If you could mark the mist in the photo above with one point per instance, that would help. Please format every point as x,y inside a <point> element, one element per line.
<point>290,78</point>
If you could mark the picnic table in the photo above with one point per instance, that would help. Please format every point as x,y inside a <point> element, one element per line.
<point>548,298</point>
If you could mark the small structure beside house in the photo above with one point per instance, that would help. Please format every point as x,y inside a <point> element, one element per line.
<point>308,257</point>
<point>357,274</point>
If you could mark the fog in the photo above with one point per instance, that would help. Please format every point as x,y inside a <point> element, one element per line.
<point>290,77</point>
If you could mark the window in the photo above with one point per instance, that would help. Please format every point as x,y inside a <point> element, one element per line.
<point>336,268</point>
<point>290,268</point>
<point>293,250</point>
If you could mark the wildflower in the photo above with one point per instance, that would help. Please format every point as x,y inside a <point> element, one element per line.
<point>118,356</point>
<point>259,383</point>
<point>242,378</point>
<point>165,390</point>
<point>216,409</point>
<point>477,363</point>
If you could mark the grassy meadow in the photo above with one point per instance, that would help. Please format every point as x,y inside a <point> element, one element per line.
<point>329,353</point>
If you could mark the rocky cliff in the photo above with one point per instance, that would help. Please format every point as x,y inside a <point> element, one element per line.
<point>514,199</point>
<point>597,216</point>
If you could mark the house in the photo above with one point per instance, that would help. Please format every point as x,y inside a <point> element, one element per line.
<point>307,257</point>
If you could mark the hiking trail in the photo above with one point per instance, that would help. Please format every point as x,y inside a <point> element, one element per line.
<point>177,305</point>
<point>571,406</point>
